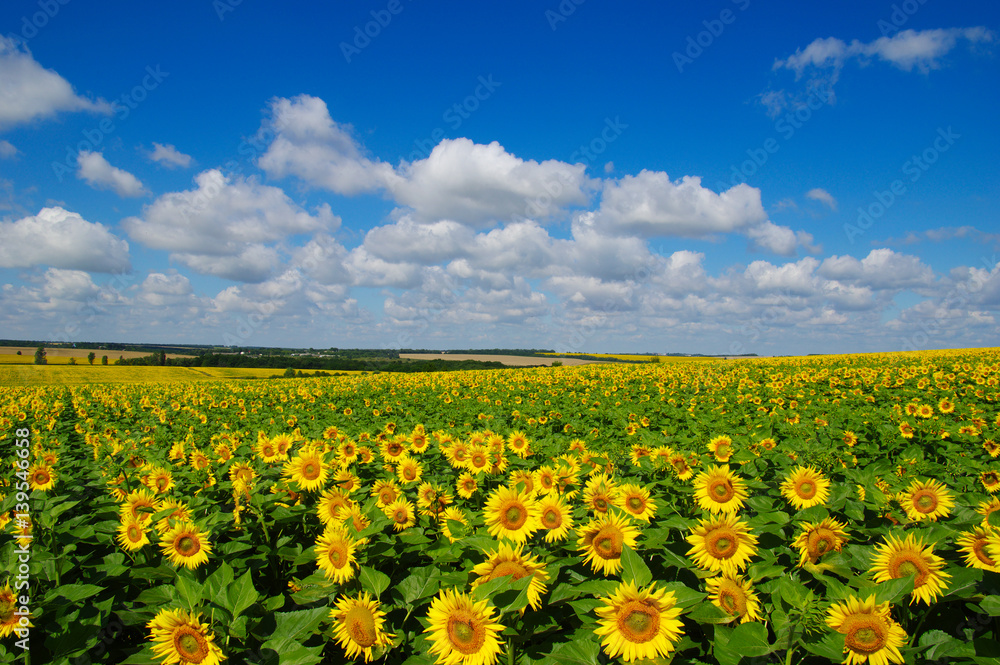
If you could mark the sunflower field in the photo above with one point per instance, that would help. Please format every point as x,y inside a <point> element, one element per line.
<point>837,509</point>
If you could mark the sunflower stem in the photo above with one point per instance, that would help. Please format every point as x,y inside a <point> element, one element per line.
<point>920,624</point>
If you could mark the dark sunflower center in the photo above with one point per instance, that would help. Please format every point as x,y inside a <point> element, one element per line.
<point>636,504</point>
<point>722,490</point>
<point>608,543</point>
<point>466,633</point>
<point>190,645</point>
<point>806,489</point>
<point>360,625</point>
<point>638,622</point>
<point>508,568</point>
<point>551,518</point>
<point>925,501</point>
<point>188,546</point>
<point>310,471</point>
<point>721,544</point>
<point>865,635</point>
<point>514,516</point>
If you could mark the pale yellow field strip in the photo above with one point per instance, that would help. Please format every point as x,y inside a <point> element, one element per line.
<point>61,374</point>
<point>513,361</point>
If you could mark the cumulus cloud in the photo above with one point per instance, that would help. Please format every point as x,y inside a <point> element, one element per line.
<point>460,180</point>
<point>823,196</point>
<point>28,91</point>
<point>226,226</point>
<point>169,156</point>
<point>99,174</point>
<point>62,239</point>
<point>907,49</point>
<point>881,269</point>
<point>479,184</point>
<point>408,240</point>
<point>310,145</point>
<point>650,204</point>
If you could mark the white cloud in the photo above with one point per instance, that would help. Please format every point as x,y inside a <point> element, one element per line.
<point>7,150</point>
<point>650,204</point>
<point>460,180</point>
<point>169,156</point>
<point>408,240</point>
<point>164,290</point>
<point>310,145</point>
<point>226,226</point>
<point>99,174</point>
<point>906,50</point>
<point>881,269</point>
<point>28,91</point>
<point>369,270</point>
<point>62,239</point>
<point>479,184</point>
<point>823,196</point>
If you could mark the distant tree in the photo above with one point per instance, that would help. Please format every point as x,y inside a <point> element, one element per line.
<point>163,357</point>
<point>289,373</point>
<point>72,360</point>
<point>19,352</point>
<point>557,363</point>
<point>40,356</point>
<point>91,356</point>
<point>104,360</point>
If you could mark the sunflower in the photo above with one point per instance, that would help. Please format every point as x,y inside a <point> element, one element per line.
<point>408,470</point>
<point>511,560</point>
<point>139,505</point>
<point>547,479</point>
<point>722,447</point>
<point>333,505</point>
<point>524,478</point>
<point>41,477</point>
<point>419,442</point>
<point>347,481</point>
<point>600,493</point>
<point>179,511</point>
<point>986,508</point>
<point>242,472</point>
<point>393,449</point>
<point>385,492</point>
<point>356,518</point>
<point>335,554</point>
<point>735,596</point>
<point>990,480</point>
<point>132,535</point>
<point>925,411</point>
<point>927,499</point>
<point>603,541</point>
<point>805,487</point>
<point>519,444</point>
<point>358,626</point>
<point>898,558</point>
<point>555,517</point>
<point>720,491</point>
<point>511,514</point>
<point>768,443</point>
<point>815,540</point>
<point>307,469</point>
<point>457,454</point>
<point>466,485</point>
<point>870,634</point>
<point>635,500</point>
<point>681,466</point>
<point>479,459</point>
<point>462,631</point>
<point>179,638</point>
<point>432,499</point>
<point>850,438</point>
<point>9,619</point>
<point>402,514</point>
<point>160,481</point>
<point>451,514</point>
<point>267,451</point>
<point>980,548</point>
<point>639,623</point>
<point>185,545</point>
<point>723,544</point>
<point>946,406</point>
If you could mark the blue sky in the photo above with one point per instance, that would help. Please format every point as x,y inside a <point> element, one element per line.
<point>724,177</point>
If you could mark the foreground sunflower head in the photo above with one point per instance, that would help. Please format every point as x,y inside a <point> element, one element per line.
<point>639,623</point>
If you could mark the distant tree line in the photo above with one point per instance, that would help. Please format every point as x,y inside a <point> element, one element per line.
<point>287,362</point>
